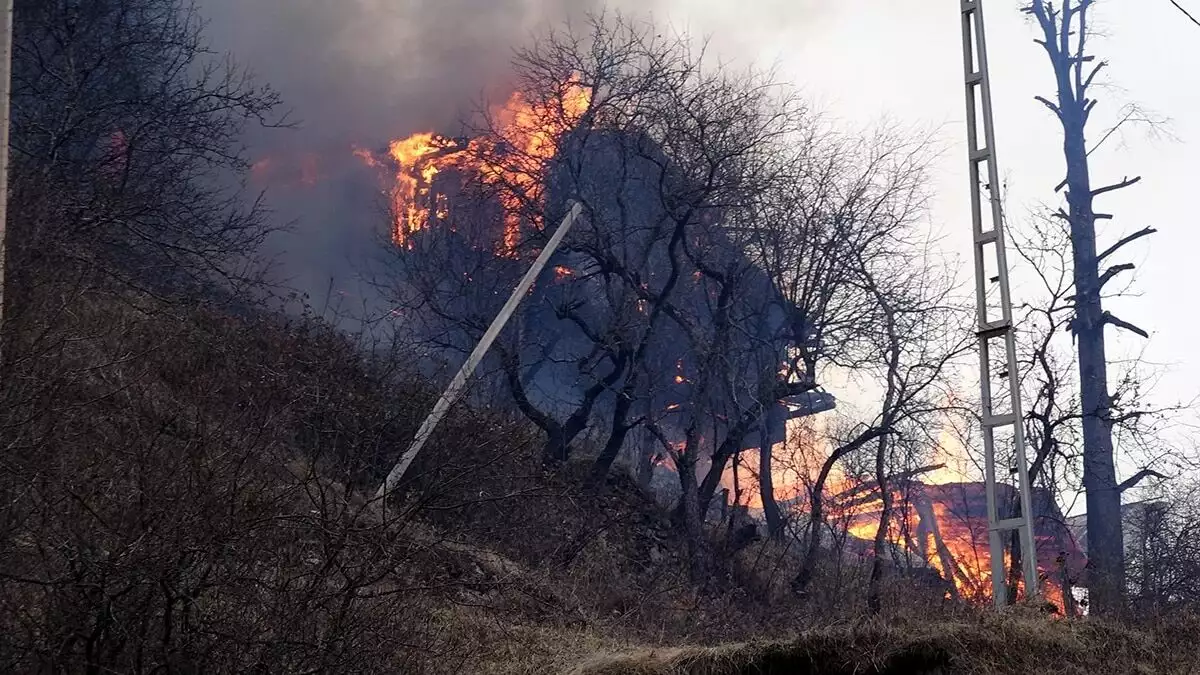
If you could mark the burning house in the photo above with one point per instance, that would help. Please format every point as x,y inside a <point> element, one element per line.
<point>469,215</point>
<point>468,218</point>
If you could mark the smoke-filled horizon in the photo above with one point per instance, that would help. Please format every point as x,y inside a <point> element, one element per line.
<point>360,73</point>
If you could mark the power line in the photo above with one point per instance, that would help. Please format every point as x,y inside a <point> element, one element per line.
<point>1185,12</point>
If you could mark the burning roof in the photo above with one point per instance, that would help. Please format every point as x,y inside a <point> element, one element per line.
<point>511,158</point>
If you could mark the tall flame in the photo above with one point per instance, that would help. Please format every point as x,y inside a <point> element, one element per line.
<point>511,159</point>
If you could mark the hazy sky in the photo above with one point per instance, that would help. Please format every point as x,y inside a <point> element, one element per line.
<point>864,59</point>
<point>363,71</point>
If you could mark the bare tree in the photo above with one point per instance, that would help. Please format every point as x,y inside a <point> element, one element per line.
<point>1053,419</point>
<point>126,146</point>
<point>1066,38</point>
<point>839,243</point>
<point>924,331</point>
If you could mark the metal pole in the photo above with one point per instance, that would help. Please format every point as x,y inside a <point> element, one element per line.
<point>981,155</point>
<point>6,34</point>
<point>459,382</point>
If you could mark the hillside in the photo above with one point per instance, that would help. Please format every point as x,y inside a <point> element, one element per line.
<point>206,501</point>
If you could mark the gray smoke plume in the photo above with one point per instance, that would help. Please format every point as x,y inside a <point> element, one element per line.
<point>361,72</point>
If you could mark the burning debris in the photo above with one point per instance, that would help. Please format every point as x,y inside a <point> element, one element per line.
<point>945,527</point>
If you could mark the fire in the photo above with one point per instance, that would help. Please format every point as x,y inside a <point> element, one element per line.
<point>936,516</point>
<point>411,154</point>
<point>940,526</point>
<point>794,466</point>
<point>511,160</point>
<point>561,272</point>
<point>367,157</point>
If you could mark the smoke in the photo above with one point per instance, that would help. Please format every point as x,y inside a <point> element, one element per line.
<point>359,73</point>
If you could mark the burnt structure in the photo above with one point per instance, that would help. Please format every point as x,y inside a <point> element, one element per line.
<point>589,332</point>
<point>947,526</point>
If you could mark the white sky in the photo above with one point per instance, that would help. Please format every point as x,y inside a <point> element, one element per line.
<point>862,60</point>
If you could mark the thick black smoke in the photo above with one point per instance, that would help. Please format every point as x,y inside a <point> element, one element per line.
<point>361,72</point>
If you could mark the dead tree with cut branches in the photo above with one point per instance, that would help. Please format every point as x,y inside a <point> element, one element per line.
<point>1066,33</point>
<point>1053,418</point>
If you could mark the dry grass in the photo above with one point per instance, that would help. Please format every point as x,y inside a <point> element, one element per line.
<point>182,496</point>
<point>1018,642</point>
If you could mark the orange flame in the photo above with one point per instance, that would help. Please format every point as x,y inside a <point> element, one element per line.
<point>954,545</point>
<point>367,157</point>
<point>511,159</point>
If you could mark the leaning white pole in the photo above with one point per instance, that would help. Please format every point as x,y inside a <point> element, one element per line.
<point>460,380</point>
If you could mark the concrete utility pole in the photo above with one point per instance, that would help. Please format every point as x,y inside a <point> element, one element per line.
<point>995,331</point>
<point>468,368</point>
<point>6,34</point>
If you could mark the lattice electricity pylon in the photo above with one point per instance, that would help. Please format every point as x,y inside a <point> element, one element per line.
<point>994,331</point>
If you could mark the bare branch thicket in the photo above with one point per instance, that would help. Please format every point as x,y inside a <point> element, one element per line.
<point>178,483</point>
<point>843,247</point>
<point>668,155</point>
<point>126,148</point>
<point>1164,553</point>
<point>926,331</point>
<point>1053,421</point>
<point>450,279</point>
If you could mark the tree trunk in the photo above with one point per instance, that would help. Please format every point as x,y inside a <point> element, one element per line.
<point>875,587</point>
<point>766,486</point>
<point>693,519</point>
<point>557,448</point>
<point>1106,554</point>
<point>730,446</point>
<point>558,445</point>
<point>808,564</point>
<point>816,517</point>
<point>1104,536</point>
<point>616,439</point>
